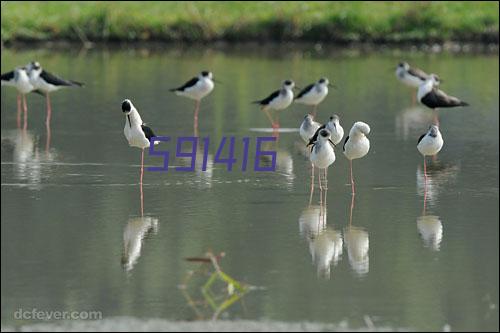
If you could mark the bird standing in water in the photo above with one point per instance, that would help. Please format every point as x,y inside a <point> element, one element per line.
<point>137,134</point>
<point>196,88</point>
<point>356,145</point>
<point>429,144</point>
<point>278,100</point>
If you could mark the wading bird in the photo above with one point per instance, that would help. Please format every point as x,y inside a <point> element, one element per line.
<point>432,97</point>
<point>356,145</point>
<point>44,83</point>
<point>430,144</point>
<point>314,94</point>
<point>322,156</point>
<point>278,100</point>
<point>196,88</point>
<point>336,130</point>
<point>137,134</point>
<point>19,79</point>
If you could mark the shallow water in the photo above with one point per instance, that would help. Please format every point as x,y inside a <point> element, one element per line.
<point>70,206</point>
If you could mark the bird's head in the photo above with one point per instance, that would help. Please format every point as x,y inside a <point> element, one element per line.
<point>436,80</point>
<point>404,65</point>
<point>324,134</point>
<point>324,81</point>
<point>334,118</point>
<point>359,127</point>
<point>288,84</point>
<point>206,74</point>
<point>433,130</point>
<point>127,107</point>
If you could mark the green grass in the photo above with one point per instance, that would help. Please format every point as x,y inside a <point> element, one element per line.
<point>197,21</point>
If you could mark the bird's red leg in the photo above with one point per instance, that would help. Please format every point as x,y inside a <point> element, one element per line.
<point>195,120</point>
<point>352,179</point>
<point>142,173</point>
<point>25,106</point>
<point>18,110</point>
<point>49,111</point>
<point>312,183</point>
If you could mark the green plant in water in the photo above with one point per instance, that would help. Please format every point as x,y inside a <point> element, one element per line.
<point>215,298</point>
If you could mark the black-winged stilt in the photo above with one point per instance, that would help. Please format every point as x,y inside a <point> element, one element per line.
<point>322,156</point>
<point>432,97</point>
<point>196,88</point>
<point>19,79</point>
<point>429,144</point>
<point>44,83</point>
<point>314,94</point>
<point>278,100</point>
<point>356,145</point>
<point>137,134</point>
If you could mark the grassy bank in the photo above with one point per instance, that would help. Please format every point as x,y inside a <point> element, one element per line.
<point>390,22</point>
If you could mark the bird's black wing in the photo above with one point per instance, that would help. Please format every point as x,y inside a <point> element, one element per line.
<point>148,132</point>
<point>268,99</point>
<point>186,85</point>
<point>8,76</point>
<point>420,139</point>
<point>345,141</point>
<point>418,73</point>
<point>57,81</point>
<point>313,139</point>
<point>437,98</point>
<point>305,91</point>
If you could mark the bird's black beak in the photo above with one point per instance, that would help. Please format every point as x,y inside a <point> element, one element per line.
<point>330,140</point>
<point>217,81</point>
<point>129,123</point>
<point>297,88</point>
<point>332,86</point>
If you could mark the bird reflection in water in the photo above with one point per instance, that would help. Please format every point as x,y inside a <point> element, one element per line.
<point>411,121</point>
<point>204,179</point>
<point>30,164</point>
<point>356,240</point>
<point>136,230</point>
<point>284,162</point>
<point>325,244</point>
<point>430,226</point>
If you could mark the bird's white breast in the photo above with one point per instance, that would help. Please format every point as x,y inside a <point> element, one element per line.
<point>307,130</point>
<point>314,96</point>
<point>282,101</point>
<point>429,145</point>
<point>322,155</point>
<point>356,147</point>
<point>201,89</point>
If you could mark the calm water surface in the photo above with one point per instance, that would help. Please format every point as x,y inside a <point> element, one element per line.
<point>71,208</point>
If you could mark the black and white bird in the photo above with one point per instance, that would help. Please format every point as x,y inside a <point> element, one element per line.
<point>411,76</point>
<point>19,79</point>
<point>196,88</point>
<point>322,155</point>
<point>278,100</point>
<point>356,145</point>
<point>432,97</point>
<point>314,93</point>
<point>308,128</point>
<point>430,143</point>
<point>44,83</point>
<point>136,132</point>
<point>336,130</point>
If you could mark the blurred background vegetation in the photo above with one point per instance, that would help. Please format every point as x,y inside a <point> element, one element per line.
<point>203,21</point>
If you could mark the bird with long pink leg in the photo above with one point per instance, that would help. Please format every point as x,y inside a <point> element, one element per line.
<point>137,134</point>
<point>278,100</point>
<point>197,88</point>
<point>356,145</point>
<point>45,83</point>
<point>429,144</point>
<point>19,79</point>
